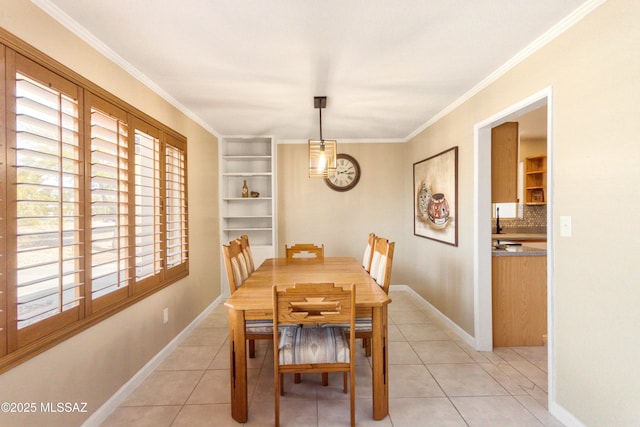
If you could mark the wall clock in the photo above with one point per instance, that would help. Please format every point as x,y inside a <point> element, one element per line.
<point>347,173</point>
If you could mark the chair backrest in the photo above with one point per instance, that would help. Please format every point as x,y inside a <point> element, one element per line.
<point>313,303</point>
<point>235,265</point>
<point>304,251</point>
<point>368,252</point>
<point>381,262</point>
<point>248,255</point>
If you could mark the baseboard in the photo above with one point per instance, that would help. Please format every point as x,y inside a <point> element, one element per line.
<point>450,324</point>
<point>564,416</point>
<point>99,416</point>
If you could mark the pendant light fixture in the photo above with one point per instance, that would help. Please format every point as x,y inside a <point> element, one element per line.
<point>322,152</point>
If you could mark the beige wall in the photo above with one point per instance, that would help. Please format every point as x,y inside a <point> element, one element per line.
<point>593,69</point>
<point>93,365</point>
<point>310,212</point>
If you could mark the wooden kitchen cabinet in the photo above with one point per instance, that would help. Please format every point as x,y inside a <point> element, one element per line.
<point>504,163</point>
<point>536,180</point>
<point>519,298</point>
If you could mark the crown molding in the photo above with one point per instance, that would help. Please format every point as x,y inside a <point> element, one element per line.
<point>66,21</point>
<point>555,31</point>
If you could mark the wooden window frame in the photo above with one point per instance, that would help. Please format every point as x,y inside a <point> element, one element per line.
<point>45,334</point>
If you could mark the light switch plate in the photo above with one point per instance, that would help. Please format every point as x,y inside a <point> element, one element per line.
<point>565,226</point>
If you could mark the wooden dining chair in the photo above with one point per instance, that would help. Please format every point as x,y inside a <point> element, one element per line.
<point>313,349</point>
<point>237,272</point>
<point>368,252</point>
<point>248,255</point>
<point>381,263</point>
<point>304,251</point>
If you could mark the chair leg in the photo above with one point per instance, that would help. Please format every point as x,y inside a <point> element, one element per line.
<point>276,398</point>
<point>352,397</point>
<point>281,385</point>
<point>252,349</point>
<point>366,342</point>
<point>297,379</point>
<point>344,379</point>
<point>325,379</point>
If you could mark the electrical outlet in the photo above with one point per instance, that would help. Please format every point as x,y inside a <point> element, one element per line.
<point>165,314</point>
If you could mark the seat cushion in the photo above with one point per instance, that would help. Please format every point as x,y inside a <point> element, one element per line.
<point>363,324</point>
<point>259,327</point>
<point>263,327</point>
<point>313,345</point>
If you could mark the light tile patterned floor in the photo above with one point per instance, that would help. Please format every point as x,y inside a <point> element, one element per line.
<point>435,380</point>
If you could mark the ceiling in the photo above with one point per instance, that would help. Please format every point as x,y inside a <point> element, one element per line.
<point>252,67</point>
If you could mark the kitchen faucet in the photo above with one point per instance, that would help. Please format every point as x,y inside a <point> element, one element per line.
<point>498,228</point>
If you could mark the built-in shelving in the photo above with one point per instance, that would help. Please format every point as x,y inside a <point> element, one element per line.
<point>536,180</point>
<point>249,159</point>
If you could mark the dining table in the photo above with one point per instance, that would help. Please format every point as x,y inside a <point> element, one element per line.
<point>253,300</point>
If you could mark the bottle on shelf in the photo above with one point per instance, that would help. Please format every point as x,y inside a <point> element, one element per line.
<point>245,189</point>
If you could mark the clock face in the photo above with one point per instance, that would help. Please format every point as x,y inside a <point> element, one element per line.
<point>347,173</point>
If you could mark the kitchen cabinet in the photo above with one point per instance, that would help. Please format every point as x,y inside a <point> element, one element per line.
<point>504,163</point>
<point>519,300</point>
<point>250,160</point>
<point>536,180</point>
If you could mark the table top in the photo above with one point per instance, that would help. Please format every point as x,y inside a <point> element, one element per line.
<point>256,294</point>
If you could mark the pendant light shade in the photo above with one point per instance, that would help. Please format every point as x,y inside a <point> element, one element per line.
<point>322,152</point>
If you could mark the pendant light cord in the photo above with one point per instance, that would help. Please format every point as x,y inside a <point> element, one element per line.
<point>321,140</point>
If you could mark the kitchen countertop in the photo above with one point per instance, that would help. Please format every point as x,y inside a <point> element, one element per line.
<point>519,251</point>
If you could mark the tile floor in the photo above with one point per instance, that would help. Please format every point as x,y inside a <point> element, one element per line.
<point>435,380</point>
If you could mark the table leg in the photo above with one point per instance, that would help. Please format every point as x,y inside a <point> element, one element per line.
<point>238,359</point>
<point>379,346</point>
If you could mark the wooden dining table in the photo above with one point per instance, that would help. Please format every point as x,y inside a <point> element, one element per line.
<point>253,301</point>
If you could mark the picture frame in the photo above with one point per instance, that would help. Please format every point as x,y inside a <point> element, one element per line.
<point>435,190</point>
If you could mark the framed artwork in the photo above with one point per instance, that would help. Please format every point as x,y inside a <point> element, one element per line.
<point>435,190</point>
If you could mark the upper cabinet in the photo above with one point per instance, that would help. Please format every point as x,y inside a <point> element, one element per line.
<point>248,163</point>
<point>504,163</point>
<point>536,180</point>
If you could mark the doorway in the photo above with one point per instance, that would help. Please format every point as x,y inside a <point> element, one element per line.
<point>483,221</point>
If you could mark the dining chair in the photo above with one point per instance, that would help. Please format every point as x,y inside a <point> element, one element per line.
<point>237,272</point>
<point>304,251</point>
<point>368,252</point>
<point>248,255</point>
<point>313,349</point>
<point>381,263</point>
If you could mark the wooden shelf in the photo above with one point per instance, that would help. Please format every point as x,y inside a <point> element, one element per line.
<point>536,180</point>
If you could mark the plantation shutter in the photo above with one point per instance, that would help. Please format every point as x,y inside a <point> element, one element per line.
<point>48,211</point>
<point>111,260</point>
<point>148,209</point>
<point>176,204</point>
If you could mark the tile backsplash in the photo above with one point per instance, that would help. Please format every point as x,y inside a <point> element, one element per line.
<point>534,220</point>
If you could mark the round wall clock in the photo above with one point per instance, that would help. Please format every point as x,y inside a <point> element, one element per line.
<point>347,173</point>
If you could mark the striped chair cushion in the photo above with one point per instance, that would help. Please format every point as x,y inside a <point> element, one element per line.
<point>313,345</point>
<point>259,327</point>
<point>263,327</point>
<point>363,324</point>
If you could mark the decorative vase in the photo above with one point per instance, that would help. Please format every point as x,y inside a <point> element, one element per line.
<point>438,209</point>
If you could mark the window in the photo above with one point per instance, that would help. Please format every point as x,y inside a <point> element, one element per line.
<point>93,210</point>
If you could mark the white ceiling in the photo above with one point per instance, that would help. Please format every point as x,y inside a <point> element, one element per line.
<point>252,67</point>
